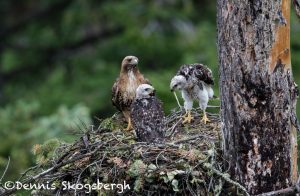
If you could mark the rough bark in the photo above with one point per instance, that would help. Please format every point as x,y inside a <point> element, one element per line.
<point>258,93</point>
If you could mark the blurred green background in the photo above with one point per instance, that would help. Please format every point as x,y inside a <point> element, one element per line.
<point>59,59</point>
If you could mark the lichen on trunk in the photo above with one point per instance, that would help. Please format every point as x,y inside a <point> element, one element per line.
<point>258,94</point>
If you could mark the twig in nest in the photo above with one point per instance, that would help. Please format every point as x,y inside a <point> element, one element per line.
<point>79,176</point>
<point>63,163</point>
<point>6,168</point>
<point>225,177</point>
<point>192,138</point>
<point>156,159</point>
<point>28,170</point>
<point>172,129</point>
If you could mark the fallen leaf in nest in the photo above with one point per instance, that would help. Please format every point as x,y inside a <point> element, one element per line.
<point>119,162</point>
<point>192,154</point>
<point>129,162</point>
<point>82,162</point>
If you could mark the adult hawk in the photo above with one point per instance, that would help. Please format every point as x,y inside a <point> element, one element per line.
<point>195,83</point>
<point>147,115</point>
<point>124,89</point>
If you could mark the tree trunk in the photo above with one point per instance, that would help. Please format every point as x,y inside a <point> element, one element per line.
<point>258,93</point>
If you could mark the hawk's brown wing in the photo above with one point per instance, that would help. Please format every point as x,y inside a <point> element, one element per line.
<point>116,95</point>
<point>196,70</point>
<point>203,73</point>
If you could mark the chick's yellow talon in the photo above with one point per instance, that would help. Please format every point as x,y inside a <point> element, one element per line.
<point>187,118</point>
<point>205,119</point>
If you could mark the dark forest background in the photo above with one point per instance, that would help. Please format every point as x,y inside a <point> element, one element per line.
<point>59,59</point>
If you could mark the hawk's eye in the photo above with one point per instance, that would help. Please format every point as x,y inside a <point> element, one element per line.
<point>129,60</point>
<point>147,89</point>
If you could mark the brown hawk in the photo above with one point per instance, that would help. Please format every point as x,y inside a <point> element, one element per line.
<point>124,89</point>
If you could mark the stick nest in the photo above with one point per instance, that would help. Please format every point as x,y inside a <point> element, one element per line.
<point>189,162</point>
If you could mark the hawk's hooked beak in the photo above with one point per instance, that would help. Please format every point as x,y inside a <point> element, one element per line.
<point>135,61</point>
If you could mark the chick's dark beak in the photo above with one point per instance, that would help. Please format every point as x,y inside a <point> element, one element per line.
<point>153,93</point>
<point>172,90</point>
